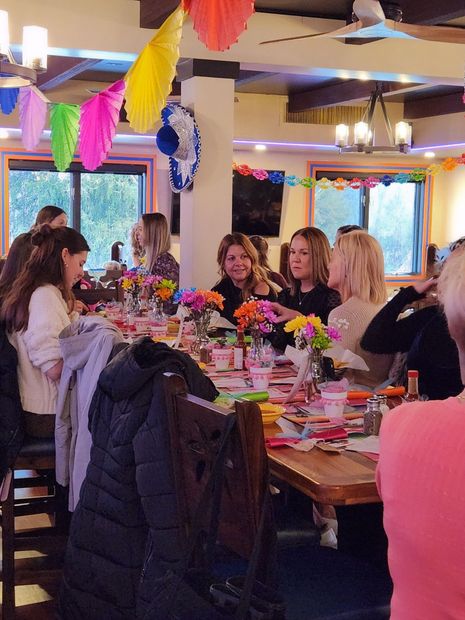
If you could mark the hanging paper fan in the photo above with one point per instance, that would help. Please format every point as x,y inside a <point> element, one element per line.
<point>219,23</point>
<point>8,98</point>
<point>64,123</point>
<point>148,81</point>
<point>97,125</point>
<point>32,116</point>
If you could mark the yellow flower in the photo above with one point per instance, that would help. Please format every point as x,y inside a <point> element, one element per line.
<point>295,324</point>
<point>315,321</point>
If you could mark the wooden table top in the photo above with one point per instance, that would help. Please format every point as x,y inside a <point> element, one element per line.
<point>331,478</point>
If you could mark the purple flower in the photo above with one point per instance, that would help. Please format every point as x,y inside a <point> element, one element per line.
<point>309,330</point>
<point>333,333</point>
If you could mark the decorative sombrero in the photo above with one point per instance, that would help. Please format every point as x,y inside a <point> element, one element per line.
<point>179,138</point>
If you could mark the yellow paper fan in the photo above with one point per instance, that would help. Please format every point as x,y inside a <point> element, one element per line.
<point>148,81</point>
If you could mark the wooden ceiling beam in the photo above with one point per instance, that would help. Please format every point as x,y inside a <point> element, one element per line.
<point>431,11</point>
<point>348,90</point>
<point>61,69</point>
<point>154,12</point>
<point>434,106</point>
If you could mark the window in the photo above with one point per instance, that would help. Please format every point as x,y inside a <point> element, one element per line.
<point>394,215</point>
<point>101,205</point>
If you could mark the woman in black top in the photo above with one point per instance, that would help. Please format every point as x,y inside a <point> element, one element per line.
<point>309,255</point>
<point>424,335</point>
<point>241,275</point>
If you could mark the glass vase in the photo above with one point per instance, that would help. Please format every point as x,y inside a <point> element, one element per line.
<point>313,375</point>
<point>255,355</point>
<point>201,336</point>
<point>158,316</point>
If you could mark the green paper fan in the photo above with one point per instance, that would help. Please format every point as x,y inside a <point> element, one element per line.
<point>64,123</point>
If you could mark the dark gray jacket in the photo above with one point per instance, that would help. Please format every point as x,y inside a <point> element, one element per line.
<point>124,532</point>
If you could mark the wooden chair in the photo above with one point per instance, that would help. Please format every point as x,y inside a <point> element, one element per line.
<point>196,427</point>
<point>43,496</point>
<point>284,260</point>
<point>94,295</point>
<point>315,582</point>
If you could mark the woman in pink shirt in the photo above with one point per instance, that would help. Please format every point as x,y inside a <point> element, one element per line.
<point>421,479</point>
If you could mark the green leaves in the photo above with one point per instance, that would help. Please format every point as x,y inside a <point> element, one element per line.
<point>64,123</point>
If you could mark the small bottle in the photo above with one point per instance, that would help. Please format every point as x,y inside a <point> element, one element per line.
<point>412,387</point>
<point>372,417</point>
<point>239,350</point>
<point>383,404</point>
<point>204,354</point>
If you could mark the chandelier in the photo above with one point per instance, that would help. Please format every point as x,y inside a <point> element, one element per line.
<point>399,140</point>
<point>12,74</point>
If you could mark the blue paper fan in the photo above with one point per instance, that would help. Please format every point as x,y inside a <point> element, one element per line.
<point>8,99</point>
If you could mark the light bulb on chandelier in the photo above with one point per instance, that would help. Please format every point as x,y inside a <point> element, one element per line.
<point>400,139</point>
<point>35,47</point>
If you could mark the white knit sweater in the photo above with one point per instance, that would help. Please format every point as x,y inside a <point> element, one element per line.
<point>352,318</point>
<point>39,349</point>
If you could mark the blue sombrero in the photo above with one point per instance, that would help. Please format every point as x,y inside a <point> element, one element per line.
<point>179,138</point>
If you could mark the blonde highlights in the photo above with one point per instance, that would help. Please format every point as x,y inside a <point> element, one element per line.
<point>362,267</point>
<point>157,238</point>
<point>451,290</point>
<point>257,273</point>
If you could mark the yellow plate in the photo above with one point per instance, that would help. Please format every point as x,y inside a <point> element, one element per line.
<point>271,412</point>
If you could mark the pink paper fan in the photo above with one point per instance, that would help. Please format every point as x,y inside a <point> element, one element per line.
<point>32,116</point>
<point>99,117</point>
<point>219,22</point>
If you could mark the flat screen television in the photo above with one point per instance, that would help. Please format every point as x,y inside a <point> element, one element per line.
<point>256,207</point>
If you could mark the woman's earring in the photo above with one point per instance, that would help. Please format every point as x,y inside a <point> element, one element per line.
<point>66,264</point>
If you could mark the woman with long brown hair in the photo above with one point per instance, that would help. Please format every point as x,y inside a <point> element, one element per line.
<point>50,214</point>
<point>241,275</point>
<point>155,239</point>
<point>308,293</point>
<point>35,311</point>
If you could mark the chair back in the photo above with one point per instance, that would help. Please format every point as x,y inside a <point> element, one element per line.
<point>196,428</point>
<point>94,295</point>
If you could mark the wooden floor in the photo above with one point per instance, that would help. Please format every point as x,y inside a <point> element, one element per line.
<point>36,601</point>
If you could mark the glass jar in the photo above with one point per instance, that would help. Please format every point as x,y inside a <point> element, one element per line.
<point>372,416</point>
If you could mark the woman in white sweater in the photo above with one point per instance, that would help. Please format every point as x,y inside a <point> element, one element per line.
<point>35,311</point>
<point>356,270</point>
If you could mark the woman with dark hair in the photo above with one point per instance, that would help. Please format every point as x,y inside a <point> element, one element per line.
<point>35,311</point>
<point>18,255</point>
<point>155,239</point>
<point>241,274</point>
<point>51,215</point>
<point>261,245</point>
<point>309,255</point>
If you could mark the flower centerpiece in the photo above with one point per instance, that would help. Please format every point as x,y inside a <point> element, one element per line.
<point>312,336</point>
<point>159,290</point>
<point>257,316</point>
<point>200,305</point>
<point>132,282</point>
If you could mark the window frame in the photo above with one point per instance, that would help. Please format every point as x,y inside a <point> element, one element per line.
<point>422,224</point>
<point>121,163</point>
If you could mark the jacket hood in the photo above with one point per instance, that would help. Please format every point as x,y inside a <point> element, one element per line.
<point>130,369</point>
<point>78,340</point>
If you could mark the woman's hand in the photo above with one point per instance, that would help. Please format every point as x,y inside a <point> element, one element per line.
<point>80,307</point>
<point>283,313</point>
<point>424,286</point>
<point>54,373</point>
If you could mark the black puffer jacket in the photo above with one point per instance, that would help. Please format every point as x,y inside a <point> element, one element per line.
<point>124,532</point>
<point>11,411</point>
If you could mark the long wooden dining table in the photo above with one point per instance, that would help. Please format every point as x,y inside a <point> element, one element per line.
<point>338,478</point>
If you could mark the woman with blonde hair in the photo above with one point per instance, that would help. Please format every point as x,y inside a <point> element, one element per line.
<point>356,270</point>
<point>155,239</point>
<point>420,477</point>
<point>241,275</point>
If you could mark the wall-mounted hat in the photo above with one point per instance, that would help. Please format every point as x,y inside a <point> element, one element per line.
<point>179,138</point>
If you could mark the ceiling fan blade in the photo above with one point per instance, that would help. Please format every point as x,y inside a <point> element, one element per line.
<point>303,36</point>
<point>442,34</point>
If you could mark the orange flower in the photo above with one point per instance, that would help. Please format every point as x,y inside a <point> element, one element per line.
<point>449,164</point>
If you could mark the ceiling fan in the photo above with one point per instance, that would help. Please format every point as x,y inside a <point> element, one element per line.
<point>372,24</point>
